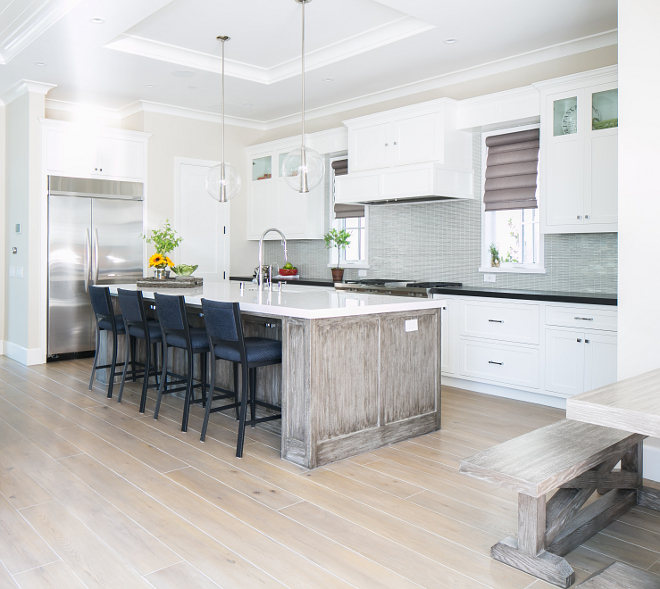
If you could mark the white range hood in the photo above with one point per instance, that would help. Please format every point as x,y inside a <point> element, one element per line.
<point>411,154</point>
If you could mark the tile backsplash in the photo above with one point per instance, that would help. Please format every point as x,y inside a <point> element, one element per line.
<point>442,241</point>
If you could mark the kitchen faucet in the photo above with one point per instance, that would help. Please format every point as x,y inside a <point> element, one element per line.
<point>260,276</point>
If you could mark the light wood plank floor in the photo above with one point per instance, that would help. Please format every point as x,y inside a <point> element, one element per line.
<point>93,494</point>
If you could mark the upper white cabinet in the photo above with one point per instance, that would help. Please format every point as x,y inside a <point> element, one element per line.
<point>409,152</point>
<point>73,150</point>
<point>272,203</point>
<point>579,130</point>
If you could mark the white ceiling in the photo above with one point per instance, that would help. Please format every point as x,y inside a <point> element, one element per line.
<point>368,48</point>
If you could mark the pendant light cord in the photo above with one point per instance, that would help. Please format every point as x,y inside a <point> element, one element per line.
<point>223,110</point>
<point>303,73</point>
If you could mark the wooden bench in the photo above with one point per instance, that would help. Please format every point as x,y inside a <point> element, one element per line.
<point>621,576</point>
<point>576,459</point>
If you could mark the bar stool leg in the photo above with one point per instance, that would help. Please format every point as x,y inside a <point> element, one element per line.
<point>96,357</point>
<point>209,401</point>
<point>145,380</point>
<point>241,422</point>
<point>133,356</point>
<point>111,378</point>
<point>238,413</point>
<point>189,391</point>
<point>163,382</point>
<point>202,377</point>
<point>123,372</point>
<point>253,395</point>
<point>154,348</point>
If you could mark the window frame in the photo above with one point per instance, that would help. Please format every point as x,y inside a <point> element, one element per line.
<point>339,224</point>
<point>507,267</point>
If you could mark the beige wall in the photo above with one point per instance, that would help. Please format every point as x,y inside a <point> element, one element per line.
<point>23,190</point>
<point>639,191</point>
<point>174,136</point>
<point>3,233</point>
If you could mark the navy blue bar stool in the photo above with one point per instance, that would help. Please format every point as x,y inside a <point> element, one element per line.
<point>227,342</point>
<point>138,326</point>
<point>108,321</point>
<point>178,334</point>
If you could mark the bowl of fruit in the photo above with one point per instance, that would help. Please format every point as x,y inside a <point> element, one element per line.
<point>288,270</point>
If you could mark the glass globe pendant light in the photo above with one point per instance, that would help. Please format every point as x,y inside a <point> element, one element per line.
<point>223,181</point>
<point>303,168</point>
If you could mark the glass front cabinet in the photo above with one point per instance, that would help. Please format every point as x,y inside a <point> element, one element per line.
<point>579,140</point>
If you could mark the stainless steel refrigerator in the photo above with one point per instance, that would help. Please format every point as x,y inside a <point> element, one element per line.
<point>94,229</point>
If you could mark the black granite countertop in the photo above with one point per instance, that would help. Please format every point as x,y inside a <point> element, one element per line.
<point>291,281</point>
<point>532,295</point>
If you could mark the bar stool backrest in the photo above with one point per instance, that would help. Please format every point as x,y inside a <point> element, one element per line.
<point>172,315</point>
<point>224,324</point>
<point>101,303</point>
<point>132,307</point>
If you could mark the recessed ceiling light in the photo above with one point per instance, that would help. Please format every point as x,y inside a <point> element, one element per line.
<point>248,104</point>
<point>450,41</point>
<point>183,74</point>
<point>192,87</point>
<point>97,21</point>
<point>148,85</point>
<point>328,79</point>
<point>40,63</point>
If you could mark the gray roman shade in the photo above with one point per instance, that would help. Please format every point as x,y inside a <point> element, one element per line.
<point>343,211</point>
<point>511,171</point>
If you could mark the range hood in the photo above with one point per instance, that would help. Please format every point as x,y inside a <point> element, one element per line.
<point>405,184</point>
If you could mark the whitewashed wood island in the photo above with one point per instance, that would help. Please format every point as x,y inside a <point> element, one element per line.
<point>359,371</point>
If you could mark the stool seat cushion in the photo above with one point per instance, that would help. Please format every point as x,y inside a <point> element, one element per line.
<point>119,321</point>
<point>155,334</point>
<point>198,337</point>
<point>259,349</point>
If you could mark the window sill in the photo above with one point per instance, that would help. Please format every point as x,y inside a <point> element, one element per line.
<point>349,265</point>
<point>512,270</point>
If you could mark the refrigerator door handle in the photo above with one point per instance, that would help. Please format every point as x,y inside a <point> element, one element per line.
<point>87,260</point>
<point>96,256</point>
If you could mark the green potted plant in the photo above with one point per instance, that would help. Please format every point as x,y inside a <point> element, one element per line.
<point>164,240</point>
<point>494,256</point>
<point>339,239</point>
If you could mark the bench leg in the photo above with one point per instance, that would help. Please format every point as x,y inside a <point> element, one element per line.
<point>549,531</point>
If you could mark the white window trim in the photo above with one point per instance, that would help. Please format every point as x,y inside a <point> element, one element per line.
<point>505,267</point>
<point>335,223</point>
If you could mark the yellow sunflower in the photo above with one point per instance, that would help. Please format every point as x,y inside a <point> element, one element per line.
<point>169,262</point>
<point>157,260</point>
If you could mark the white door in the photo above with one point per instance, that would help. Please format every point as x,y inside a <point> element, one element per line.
<point>599,360</point>
<point>203,223</point>
<point>564,361</point>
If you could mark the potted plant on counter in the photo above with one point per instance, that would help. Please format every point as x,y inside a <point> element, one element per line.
<point>164,240</point>
<point>339,239</point>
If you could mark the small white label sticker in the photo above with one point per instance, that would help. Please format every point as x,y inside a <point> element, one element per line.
<point>410,325</point>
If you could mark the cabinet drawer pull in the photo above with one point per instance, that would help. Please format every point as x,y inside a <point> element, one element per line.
<point>583,318</point>
<point>579,216</point>
<point>493,362</point>
<point>579,341</point>
<point>495,321</point>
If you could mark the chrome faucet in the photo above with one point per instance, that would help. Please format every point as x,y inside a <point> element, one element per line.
<point>260,275</point>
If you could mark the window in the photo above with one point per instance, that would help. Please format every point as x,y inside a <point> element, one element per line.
<point>352,218</point>
<point>511,237</point>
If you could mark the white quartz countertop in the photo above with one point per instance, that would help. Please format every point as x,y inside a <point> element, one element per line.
<point>305,302</point>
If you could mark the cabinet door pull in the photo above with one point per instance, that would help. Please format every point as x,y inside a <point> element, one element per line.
<point>586,341</point>
<point>579,340</point>
<point>583,318</point>
<point>395,143</point>
<point>495,321</point>
<point>493,362</point>
<point>387,145</point>
<point>586,216</point>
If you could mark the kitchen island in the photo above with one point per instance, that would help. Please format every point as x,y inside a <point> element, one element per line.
<point>359,371</point>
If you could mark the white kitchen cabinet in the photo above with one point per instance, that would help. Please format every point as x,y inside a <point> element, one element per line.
<point>518,323</point>
<point>448,339</point>
<point>370,147</point>
<point>71,150</point>
<point>578,361</point>
<point>272,203</point>
<point>579,153</point>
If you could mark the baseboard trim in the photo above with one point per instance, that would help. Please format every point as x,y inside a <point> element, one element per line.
<point>2,347</point>
<point>25,356</point>
<point>506,392</point>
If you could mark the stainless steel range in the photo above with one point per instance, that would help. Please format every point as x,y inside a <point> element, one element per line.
<point>402,288</point>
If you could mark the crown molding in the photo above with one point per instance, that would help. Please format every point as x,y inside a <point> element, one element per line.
<point>25,86</point>
<point>355,45</point>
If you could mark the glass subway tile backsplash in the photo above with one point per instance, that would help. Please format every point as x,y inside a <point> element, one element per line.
<point>442,241</point>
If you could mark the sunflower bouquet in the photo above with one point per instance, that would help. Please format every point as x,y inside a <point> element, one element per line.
<point>160,261</point>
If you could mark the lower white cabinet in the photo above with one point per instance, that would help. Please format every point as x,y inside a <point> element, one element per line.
<point>500,363</point>
<point>578,361</point>
<point>447,338</point>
